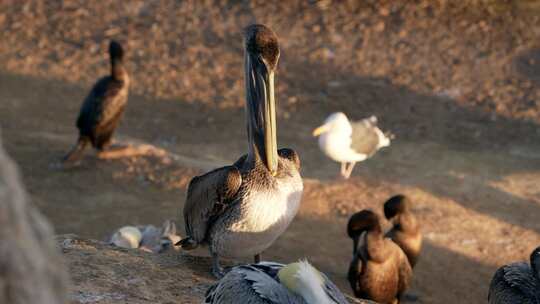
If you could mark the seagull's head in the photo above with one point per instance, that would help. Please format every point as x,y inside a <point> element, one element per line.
<point>304,280</point>
<point>335,122</point>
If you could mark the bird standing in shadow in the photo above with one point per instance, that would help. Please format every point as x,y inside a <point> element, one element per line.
<point>240,210</point>
<point>405,230</point>
<point>349,143</point>
<point>379,270</point>
<point>517,282</point>
<point>102,110</point>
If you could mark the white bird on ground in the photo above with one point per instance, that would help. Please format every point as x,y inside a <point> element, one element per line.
<point>270,282</point>
<point>349,143</point>
<point>148,238</point>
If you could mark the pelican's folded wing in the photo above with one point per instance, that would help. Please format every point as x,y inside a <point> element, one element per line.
<point>208,196</point>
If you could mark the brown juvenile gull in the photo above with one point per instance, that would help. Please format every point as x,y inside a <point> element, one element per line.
<point>379,270</point>
<point>405,230</point>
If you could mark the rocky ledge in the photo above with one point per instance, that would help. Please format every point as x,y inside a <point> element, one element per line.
<point>105,274</point>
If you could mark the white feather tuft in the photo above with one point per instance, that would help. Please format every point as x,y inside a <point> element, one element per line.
<point>310,284</point>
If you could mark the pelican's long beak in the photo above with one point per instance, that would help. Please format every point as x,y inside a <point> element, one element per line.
<point>261,110</point>
<point>320,130</point>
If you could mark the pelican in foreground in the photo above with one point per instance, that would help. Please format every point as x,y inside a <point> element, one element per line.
<point>349,143</point>
<point>240,210</point>
<point>405,230</point>
<point>517,282</point>
<point>269,283</point>
<point>379,270</point>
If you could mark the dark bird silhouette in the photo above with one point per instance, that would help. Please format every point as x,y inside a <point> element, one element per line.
<point>103,107</point>
<point>379,270</point>
<point>240,210</point>
<point>405,231</point>
<point>517,282</point>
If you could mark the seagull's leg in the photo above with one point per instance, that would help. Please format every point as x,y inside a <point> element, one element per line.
<point>217,271</point>
<point>257,258</point>
<point>343,169</point>
<point>349,170</point>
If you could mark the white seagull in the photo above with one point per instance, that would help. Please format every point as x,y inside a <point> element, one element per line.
<point>349,143</point>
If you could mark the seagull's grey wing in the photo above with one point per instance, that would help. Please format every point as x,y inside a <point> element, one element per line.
<point>250,284</point>
<point>364,138</point>
<point>208,196</point>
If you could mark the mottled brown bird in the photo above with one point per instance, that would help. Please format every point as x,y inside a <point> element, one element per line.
<point>379,270</point>
<point>405,230</point>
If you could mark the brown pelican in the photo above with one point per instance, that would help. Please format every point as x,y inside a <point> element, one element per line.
<point>349,143</point>
<point>405,231</point>
<point>517,282</point>
<point>269,282</point>
<point>102,109</point>
<point>379,270</point>
<point>240,210</point>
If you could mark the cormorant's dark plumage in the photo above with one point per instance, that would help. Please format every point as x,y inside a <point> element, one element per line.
<point>379,270</point>
<point>517,283</point>
<point>103,107</point>
<point>405,231</point>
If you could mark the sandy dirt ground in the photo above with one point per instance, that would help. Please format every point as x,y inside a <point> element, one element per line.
<point>459,87</point>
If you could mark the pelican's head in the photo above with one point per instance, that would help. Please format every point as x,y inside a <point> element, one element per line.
<point>261,58</point>
<point>304,280</point>
<point>127,237</point>
<point>335,122</point>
